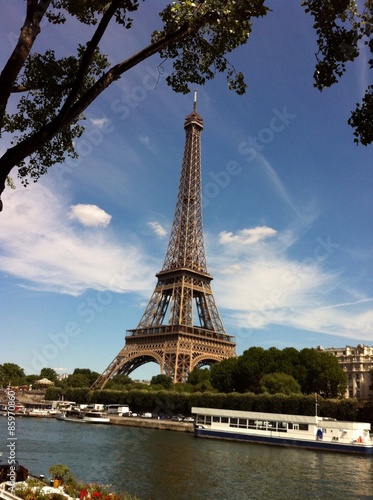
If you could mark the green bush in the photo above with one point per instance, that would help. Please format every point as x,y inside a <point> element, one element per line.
<point>53,393</point>
<point>78,394</point>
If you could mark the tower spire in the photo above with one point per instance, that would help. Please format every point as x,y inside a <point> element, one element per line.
<point>181,327</point>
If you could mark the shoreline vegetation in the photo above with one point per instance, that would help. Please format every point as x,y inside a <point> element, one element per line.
<point>174,403</point>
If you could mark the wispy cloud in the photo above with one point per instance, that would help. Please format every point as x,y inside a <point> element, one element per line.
<point>158,228</point>
<point>45,250</point>
<point>276,182</point>
<point>346,304</point>
<point>99,122</point>
<point>246,236</point>
<point>145,140</point>
<point>258,280</point>
<point>261,284</point>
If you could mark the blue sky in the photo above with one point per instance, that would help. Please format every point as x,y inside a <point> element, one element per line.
<point>287,204</point>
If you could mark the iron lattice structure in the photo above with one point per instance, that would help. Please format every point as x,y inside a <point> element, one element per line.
<point>181,327</point>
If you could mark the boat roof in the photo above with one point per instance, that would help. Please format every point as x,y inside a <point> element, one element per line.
<point>281,417</point>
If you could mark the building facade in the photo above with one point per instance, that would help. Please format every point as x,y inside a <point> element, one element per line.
<point>357,363</point>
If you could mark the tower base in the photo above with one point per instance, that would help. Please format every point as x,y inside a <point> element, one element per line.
<point>177,349</point>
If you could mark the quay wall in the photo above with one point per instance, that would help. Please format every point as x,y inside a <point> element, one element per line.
<point>151,423</point>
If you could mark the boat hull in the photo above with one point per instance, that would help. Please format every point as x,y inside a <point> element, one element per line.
<point>82,419</point>
<point>361,449</point>
<point>71,417</point>
<point>98,420</point>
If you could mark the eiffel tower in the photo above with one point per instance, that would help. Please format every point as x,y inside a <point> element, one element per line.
<point>167,332</point>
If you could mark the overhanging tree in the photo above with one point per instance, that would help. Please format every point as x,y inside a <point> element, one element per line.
<point>51,94</point>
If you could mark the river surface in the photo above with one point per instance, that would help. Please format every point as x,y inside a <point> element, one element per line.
<point>167,465</point>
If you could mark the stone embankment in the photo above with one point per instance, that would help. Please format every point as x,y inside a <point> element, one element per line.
<point>152,423</point>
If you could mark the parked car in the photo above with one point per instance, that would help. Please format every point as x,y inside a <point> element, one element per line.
<point>177,418</point>
<point>188,419</point>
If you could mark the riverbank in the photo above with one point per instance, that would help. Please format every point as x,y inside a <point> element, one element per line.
<point>151,423</point>
<point>151,464</point>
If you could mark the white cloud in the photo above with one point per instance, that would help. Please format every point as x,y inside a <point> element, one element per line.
<point>144,140</point>
<point>89,215</point>
<point>158,228</point>
<point>260,285</point>
<point>44,250</point>
<point>246,236</point>
<point>258,280</point>
<point>99,122</point>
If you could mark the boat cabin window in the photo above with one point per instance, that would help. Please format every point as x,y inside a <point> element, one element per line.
<point>233,422</point>
<point>220,420</point>
<point>204,419</point>
<point>294,427</point>
<point>282,426</point>
<point>242,422</point>
<point>298,427</point>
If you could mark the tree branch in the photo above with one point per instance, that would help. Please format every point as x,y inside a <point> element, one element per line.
<point>30,30</point>
<point>26,147</point>
<point>87,57</point>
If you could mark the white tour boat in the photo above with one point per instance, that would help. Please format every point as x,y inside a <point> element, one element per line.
<point>83,417</point>
<point>301,431</point>
<point>96,417</point>
<point>71,416</point>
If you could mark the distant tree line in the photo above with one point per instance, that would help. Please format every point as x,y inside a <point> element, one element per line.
<point>14,375</point>
<point>171,402</point>
<point>257,371</point>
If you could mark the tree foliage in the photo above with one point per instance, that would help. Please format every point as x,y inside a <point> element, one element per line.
<point>223,375</point>
<point>199,375</point>
<point>118,382</point>
<point>342,33</point>
<point>196,36</point>
<point>279,383</point>
<point>287,371</point>
<point>81,377</point>
<point>48,373</point>
<point>162,380</point>
<point>11,374</point>
<point>43,96</point>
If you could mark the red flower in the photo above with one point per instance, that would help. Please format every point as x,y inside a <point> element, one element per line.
<point>97,494</point>
<point>83,494</point>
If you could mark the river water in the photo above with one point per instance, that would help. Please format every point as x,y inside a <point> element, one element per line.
<point>166,465</point>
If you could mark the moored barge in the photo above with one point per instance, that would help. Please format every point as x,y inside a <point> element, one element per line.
<point>313,432</point>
